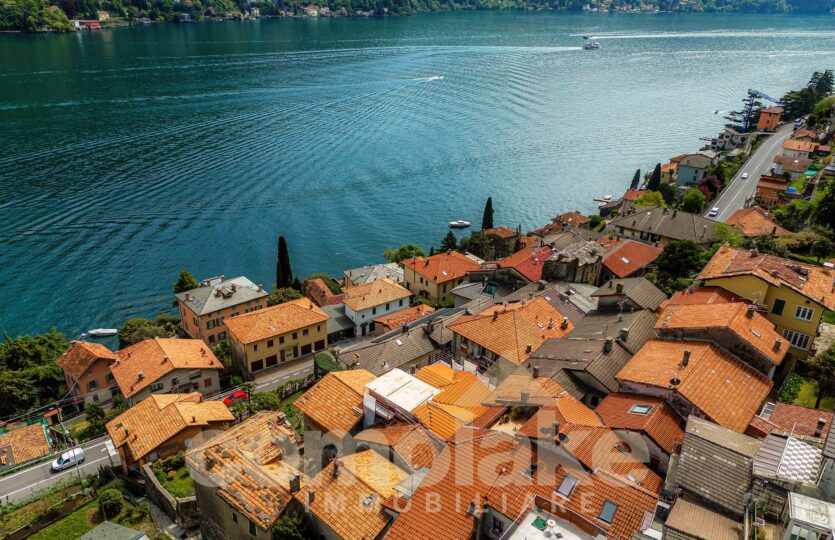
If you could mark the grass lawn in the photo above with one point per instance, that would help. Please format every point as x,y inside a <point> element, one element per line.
<point>808,394</point>
<point>82,430</point>
<point>180,486</point>
<point>15,517</point>
<point>72,526</point>
<point>829,317</point>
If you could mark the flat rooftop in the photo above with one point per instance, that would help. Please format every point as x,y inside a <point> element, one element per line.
<point>401,389</point>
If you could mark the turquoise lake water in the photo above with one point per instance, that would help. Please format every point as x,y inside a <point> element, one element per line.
<point>128,154</point>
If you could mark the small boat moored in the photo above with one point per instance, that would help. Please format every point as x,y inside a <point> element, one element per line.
<point>587,36</point>
<point>102,332</point>
<point>459,224</point>
<point>591,46</point>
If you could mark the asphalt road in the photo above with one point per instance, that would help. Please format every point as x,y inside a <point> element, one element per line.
<point>24,484</point>
<point>739,190</point>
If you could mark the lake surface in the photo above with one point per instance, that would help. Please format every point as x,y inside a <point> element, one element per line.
<point>128,154</point>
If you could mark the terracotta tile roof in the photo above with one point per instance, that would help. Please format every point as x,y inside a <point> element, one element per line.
<point>373,294</point>
<point>350,504</point>
<point>661,423</point>
<point>528,261</point>
<point>501,231</point>
<point>466,468</point>
<point>630,256</point>
<point>442,267</point>
<point>633,194</point>
<point>318,291</point>
<point>250,467</point>
<point>275,320</point>
<point>799,146</point>
<point>412,442</point>
<point>702,295</point>
<point>804,133</point>
<point>797,165</point>
<point>798,420</point>
<point>438,375</point>
<point>81,355</point>
<point>574,219</point>
<point>723,388</point>
<point>774,109</point>
<point>153,421</point>
<point>697,522</point>
<point>522,390</point>
<point>467,391</point>
<point>335,402</point>
<point>668,167</point>
<point>397,319</point>
<point>443,419</point>
<point>755,330</point>
<point>516,331</point>
<point>154,358</point>
<point>813,282</point>
<point>22,444</point>
<point>755,221</point>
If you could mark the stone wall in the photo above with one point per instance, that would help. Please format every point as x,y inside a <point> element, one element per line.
<point>183,510</point>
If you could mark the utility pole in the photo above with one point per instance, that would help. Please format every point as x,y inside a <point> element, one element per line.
<point>72,448</point>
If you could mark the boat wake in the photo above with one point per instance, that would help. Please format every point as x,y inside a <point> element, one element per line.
<point>432,78</point>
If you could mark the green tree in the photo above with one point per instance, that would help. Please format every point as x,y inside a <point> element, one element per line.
<point>693,201</point>
<point>822,369</point>
<point>28,372</point>
<point>402,253</point>
<point>96,417</point>
<point>111,502</point>
<point>449,242</point>
<point>285,294</point>
<point>292,526</point>
<point>654,178</point>
<point>636,179</point>
<point>725,234</point>
<point>679,259</point>
<point>668,193</point>
<point>487,215</point>
<point>283,272</point>
<point>186,282</point>
<point>765,244</point>
<point>138,329</point>
<point>650,198</point>
<point>824,211</point>
<point>264,401</point>
<point>821,248</point>
<point>223,352</point>
<point>332,284</point>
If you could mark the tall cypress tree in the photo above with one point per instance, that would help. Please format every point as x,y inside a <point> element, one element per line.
<point>655,178</point>
<point>283,272</point>
<point>636,180</point>
<point>487,216</point>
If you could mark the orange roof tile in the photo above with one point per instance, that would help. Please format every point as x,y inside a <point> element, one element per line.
<point>373,294</point>
<point>519,388</point>
<point>415,445</point>
<point>438,375</point>
<point>814,282</point>
<point>799,146</point>
<point>501,231</point>
<point>755,221</point>
<point>275,320</point>
<point>467,391</point>
<point>702,295</point>
<point>630,256</point>
<point>668,167</point>
<point>661,423</point>
<point>633,194</point>
<point>154,358</point>
<point>248,466</point>
<point>397,319</point>
<point>755,330</point>
<point>23,444</point>
<point>350,504</point>
<point>798,420</point>
<point>443,419</point>
<point>153,421</point>
<point>83,354</point>
<point>442,267</point>
<point>335,402</point>
<point>318,291</point>
<point>528,261</point>
<point>726,390</point>
<point>515,331</point>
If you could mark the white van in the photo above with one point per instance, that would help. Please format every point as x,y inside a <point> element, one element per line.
<point>68,459</point>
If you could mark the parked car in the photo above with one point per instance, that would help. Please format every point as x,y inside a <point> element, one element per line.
<point>68,459</point>
<point>713,212</point>
<point>744,175</point>
<point>236,396</point>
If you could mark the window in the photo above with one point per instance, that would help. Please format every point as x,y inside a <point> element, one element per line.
<point>640,408</point>
<point>221,336</point>
<point>211,339</point>
<point>498,526</point>
<point>188,442</point>
<point>796,339</point>
<point>270,344</point>
<point>109,378</point>
<point>252,530</point>
<point>156,386</point>
<point>92,385</point>
<point>318,327</point>
<point>607,513</point>
<point>387,307</point>
<point>258,365</point>
<point>295,335</point>
<point>175,381</point>
<point>804,313</point>
<point>95,398</point>
<point>194,320</point>
<point>194,375</point>
<point>305,332</point>
<point>374,311</point>
<point>255,347</point>
<point>210,323</point>
<point>778,307</point>
<point>281,340</point>
<point>400,303</point>
<point>234,517</point>
<point>567,486</point>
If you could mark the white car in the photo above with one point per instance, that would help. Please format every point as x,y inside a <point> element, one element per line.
<point>68,459</point>
<point>713,212</point>
<point>744,175</point>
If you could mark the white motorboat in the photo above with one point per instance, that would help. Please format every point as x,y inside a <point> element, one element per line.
<point>102,332</point>
<point>592,46</point>
<point>459,224</point>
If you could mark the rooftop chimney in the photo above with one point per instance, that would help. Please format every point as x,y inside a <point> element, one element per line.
<point>751,309</point>
<point>777,344</point>
<point>528,348</point>
<point>550,323</point>
<point>619,287</point>
<point>564,323</point>
<point>336,465</point>
<point>623,335</point>
<point>222,279</point>
<point>188,297</point>
<point>295,484</point>
<point>234,288</point>
<point>540,285</point>
<point>607,345</point>
<point>260,288</point>
<point>535,372</point>
<point>524,396</point>
<point>685,359</point>
<point>310,496</point>
<point>495,315</point>
<point>140,376</point>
